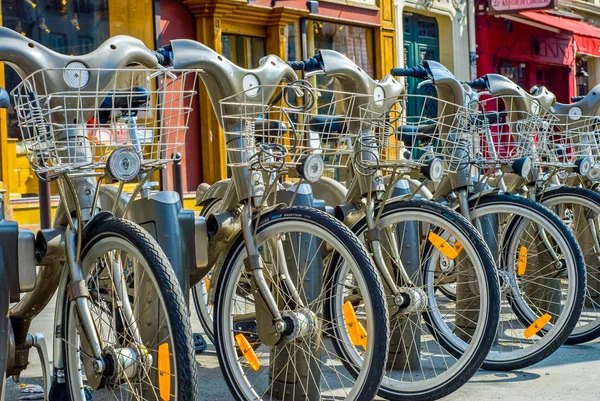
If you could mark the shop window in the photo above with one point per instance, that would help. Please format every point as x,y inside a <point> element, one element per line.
<point>354,42</point>
<point>513,71</point>
<point>291,35</point>
<point>66,26</point>
<point>245,51</point>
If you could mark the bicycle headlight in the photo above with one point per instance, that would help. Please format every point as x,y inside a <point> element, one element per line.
<point>433,169</point>
<point>123,164</point>
<point>311,167</point>
<point>594,173</point>
<point>584,165</point>
<point>522,166</point>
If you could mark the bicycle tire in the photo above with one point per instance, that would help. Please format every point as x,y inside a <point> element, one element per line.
<point>170,293</point>
<point>313,221</point>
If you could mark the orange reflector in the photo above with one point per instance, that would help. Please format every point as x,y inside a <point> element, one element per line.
<point>522,264</point>
<point>444,247</point>
<point>457,247</point>
<point>164,372</point>
<point>537,325</point>
<point>207,283</point>
<point>356,330</point>
<point>247,351</point>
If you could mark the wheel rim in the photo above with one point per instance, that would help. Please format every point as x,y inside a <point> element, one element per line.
<point>349,384</point>
<point>140,381</point>
<point>510,344</point>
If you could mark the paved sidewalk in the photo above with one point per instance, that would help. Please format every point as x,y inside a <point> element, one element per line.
<point>572,373</point>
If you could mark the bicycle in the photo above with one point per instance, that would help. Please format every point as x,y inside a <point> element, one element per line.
<point>116,289</point>
<point>279,268</point>
<point>511,225</point>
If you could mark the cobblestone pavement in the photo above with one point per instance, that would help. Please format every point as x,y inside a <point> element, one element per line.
<point>572,373</point>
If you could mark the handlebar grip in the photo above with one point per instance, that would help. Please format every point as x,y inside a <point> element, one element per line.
<point>164,55</point>
<point>479,84</point>
<point>416,72</point>
<point>312,64</point>
<point>576,99</point>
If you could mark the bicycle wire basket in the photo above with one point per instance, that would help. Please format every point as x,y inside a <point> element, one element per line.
<point>71,120</point>
<point>416,129</point>
<point>503,131</point>
<point>274,128</point>
<point>574,137</point>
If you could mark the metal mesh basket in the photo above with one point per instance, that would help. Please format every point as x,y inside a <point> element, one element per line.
<point>76,130</point>
<point>575,136</point>
<point>417,129</point>
<point>271,128</point>
<point>487,133</point>
<point>505,130</point>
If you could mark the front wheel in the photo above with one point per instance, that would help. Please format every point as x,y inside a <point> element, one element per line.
<point>436,343</point>
<point>542,278</point>
<point>140,316</point>
<point>306,252</point>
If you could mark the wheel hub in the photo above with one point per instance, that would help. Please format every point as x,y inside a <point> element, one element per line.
<point>125,364</point>
<point>300,324</point>
<point>411,300</point>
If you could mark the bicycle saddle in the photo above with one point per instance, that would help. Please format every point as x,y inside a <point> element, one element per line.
<point>264,128</point>
<point>130,98</point>
<point>4,99</point>
<point>415,132</point>
<point>326,124</point>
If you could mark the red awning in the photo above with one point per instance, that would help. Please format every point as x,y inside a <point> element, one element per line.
<point>587,37</point>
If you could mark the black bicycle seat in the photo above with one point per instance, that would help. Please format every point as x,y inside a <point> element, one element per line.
<point>326,124</point>
<point>130,98</point>
<point>4,99</point>
<point>416,132</point>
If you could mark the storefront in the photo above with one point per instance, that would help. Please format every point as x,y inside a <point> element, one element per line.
<point>246,31</point>
<point>242,31</point>
<point>537,48</point>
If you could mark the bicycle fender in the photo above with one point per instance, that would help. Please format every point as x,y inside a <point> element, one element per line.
<point>215,191</point>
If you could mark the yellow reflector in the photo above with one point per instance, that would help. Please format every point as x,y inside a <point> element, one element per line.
<point>522,264</point>
<point>248,352</point>
<point>356,330</point>
<point>164,371</point>
<point>457,247</point>
<point>443,246</point>
<point>206,283</point>
<point>537,325</point>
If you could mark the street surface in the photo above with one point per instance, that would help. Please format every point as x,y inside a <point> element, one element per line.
<point>572,373</point>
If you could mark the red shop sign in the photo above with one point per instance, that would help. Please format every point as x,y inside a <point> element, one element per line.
<point>514,6</point>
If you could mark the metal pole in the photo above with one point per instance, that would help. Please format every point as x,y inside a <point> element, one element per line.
<point>44,200</point>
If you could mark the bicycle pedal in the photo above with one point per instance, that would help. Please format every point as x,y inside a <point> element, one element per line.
<point>200,344</point>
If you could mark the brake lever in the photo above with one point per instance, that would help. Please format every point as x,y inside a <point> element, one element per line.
<point>315,72</point>
<point>425,82</point>
<point>162,70</point>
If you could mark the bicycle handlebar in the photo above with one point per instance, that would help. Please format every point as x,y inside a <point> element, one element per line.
<point>416,72</point>
<point>312,64</point>
<point>164,55</point>
<point>479,84</point>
